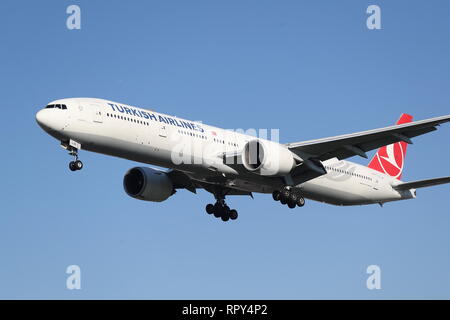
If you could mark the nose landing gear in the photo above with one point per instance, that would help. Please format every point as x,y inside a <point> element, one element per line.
<point>73,147</point>
<point>75,165</point>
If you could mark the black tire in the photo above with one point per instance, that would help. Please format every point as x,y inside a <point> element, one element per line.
<point>291,204</point>
<point>78,165</point>
<point>293,200</point>
<point>217,210</point>
<point>72,166</point>
<point>209,208</point>
<point>225,216</point>
<point>276,195</point>
<point>301,201</point>
<point>284,196</point>
<point>233,214</point>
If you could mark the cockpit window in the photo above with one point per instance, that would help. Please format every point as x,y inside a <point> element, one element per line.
<point>56,106</point>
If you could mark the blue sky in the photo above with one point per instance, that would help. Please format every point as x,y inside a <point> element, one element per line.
<point>310,68</point>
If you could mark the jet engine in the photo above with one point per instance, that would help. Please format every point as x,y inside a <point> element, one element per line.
<point>148,184</point>
<point>267,158</point>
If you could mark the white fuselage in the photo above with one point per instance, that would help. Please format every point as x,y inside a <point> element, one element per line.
<point>197,149</point>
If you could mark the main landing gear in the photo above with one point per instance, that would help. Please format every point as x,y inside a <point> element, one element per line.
<point>221,210</point>
<point>289,196</point>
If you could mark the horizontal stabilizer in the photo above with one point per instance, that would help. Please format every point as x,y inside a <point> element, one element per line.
<point>422,183</point>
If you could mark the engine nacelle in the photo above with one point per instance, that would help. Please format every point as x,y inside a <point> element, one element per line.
<point>267,158</point>
<point>147,184</point>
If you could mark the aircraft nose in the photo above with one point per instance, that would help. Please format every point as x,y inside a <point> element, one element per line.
<point>40,117</point>
<point>48,120</point>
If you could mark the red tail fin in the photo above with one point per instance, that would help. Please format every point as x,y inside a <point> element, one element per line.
<point>391,159</point>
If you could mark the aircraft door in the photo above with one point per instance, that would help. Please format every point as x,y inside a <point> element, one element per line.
<point>162,131</point>
<point>97,113</point>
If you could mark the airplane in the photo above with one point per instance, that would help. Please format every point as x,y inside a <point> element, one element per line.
<point>226,163</point>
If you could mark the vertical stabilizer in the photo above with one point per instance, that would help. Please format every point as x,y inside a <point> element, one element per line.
<point>390,159</point>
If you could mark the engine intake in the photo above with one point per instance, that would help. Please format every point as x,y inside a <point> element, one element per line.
<point>147,184</point>
<point>267,158</point>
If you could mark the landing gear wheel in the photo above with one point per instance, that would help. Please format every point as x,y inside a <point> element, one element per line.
<point>217,210</point>
<point>292,201</point>
<point>233,214</point>
<point>78,165</point>
<point>291,204</point>
<point>285,195</point>
<point>72,166</point>
<point>210,208</point>
<point>225,216</point>
<point>225,213</point>
<point>276,195</point>
<point>217,213</point>
<point>301,201</point>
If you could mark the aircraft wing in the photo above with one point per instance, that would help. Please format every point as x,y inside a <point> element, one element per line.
<point>349,145</point>
<point>421,183</point>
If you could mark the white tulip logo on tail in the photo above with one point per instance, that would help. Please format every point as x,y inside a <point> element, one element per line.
<point>390,159</point>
